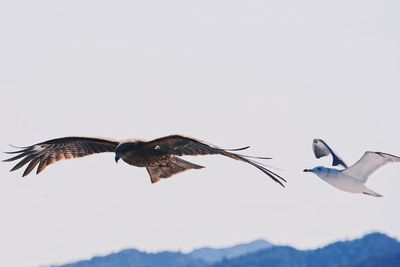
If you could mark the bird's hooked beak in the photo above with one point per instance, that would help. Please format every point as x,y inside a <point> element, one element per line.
<point>117,157</point>
<point>307,170</point>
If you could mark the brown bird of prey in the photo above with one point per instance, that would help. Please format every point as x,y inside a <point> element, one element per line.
<point>159,156</point>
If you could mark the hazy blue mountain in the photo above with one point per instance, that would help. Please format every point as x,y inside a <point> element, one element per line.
<point>339,254</point>
<point>135,258</point>
<point>387,260</point>
<point>212,255</point>
<point>373,250</point>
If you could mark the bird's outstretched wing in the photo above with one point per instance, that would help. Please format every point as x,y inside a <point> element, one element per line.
<point>185,146</point>
<point>368,163</point>
<point>54,150</point>
<point>321,149</point>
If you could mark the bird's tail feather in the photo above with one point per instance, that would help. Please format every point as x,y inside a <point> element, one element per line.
<point>173,166</point>
<point>371,193</point>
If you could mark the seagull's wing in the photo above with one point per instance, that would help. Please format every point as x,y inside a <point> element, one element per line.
<point>54,150</point>
<point>321,149</point>
<point>368,163</point>
<point>181,146</point>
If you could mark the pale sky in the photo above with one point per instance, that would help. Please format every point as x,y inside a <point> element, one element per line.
<point>269,74</point>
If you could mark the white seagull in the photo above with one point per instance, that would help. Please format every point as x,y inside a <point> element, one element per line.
<point>351,179</point>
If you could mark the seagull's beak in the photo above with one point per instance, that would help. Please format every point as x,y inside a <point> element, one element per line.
<point>117,157</point>
<point>307,170</point>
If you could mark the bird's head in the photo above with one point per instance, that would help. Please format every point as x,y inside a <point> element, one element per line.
<point>117,157</point>
<point>124,149</point>
<point>319,170</point>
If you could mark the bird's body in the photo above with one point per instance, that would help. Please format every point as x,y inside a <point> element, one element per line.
<point>351,179</point>
<point>161,157</point>
<point>342,181</point>
<point>159,163</point>
<point>135,153</point>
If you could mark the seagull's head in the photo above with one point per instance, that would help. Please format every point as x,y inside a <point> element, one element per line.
<point>319,170</point>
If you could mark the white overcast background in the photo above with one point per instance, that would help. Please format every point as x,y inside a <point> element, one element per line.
<point>269,74</point>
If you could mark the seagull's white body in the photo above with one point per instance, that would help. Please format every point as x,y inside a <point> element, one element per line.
<point>344,182</point>
<point>351,179</point>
